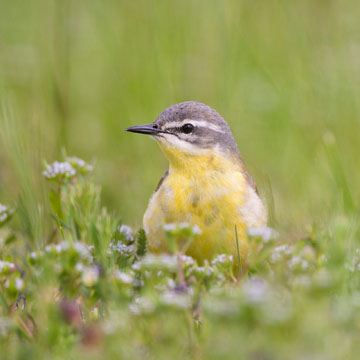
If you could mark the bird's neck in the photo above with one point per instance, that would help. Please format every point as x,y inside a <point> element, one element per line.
<point>195,164</point>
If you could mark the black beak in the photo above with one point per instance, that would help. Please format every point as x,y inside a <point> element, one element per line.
<point>149,129</point>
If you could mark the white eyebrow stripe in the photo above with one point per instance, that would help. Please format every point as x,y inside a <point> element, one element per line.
<point>198,123</point>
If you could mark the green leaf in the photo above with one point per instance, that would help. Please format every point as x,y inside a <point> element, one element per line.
<point>55,202</point>
<point>4,303</point>
<point>141,243</point>
<point>99,250</point>
<point>10,239</point>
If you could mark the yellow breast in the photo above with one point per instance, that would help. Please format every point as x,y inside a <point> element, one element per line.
<point>206,190</point>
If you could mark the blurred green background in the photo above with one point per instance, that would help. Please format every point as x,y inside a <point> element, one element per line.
<point>284,74</point>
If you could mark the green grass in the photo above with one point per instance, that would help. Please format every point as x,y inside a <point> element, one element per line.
<point>89,288</point>
<point>284,74</point>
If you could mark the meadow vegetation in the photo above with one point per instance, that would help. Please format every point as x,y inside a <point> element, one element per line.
<point>76,280</point>
<point>91,288</point>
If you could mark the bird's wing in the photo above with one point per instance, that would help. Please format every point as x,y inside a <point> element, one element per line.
<point>248,177</point>
<point>250,180</point>
<point>162,180</point>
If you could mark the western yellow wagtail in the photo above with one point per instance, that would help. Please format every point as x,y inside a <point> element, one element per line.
<point>207,183</point>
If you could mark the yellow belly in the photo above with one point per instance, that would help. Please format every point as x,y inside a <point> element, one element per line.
<point>210,199</point>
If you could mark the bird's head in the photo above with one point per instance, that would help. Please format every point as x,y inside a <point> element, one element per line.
<point>189,130</point>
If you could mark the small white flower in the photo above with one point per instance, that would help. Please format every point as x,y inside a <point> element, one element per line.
<point>124,277</point>
<point>171,283</point>
<point>90,275</point>
<point>179,300</point>
<point>304,264</point>
<point>58,248</point>
<point>222,259</point>
<point>121,248</point>
<point>141,305</point>
<point>19,284</point>
<point>79,164</point>
<point>79,267</point>
<point>56,169</point>
<point>184,225</point>
<point>90,247</point>
<point>156,262</point>
<point>297,260</point>
<point>220,278</point>
<point>6,265</point>
<point>169,227</point>
<point>266,233</point>
<point>65,245</point>
<point>294,261</point>
<point>256,291</point>
<point>280,251</point>
<point>126,231</point>
<point>83,250</point>
<point>206,270</point>
<point>187,260</point>
<point>350,266</point>
<point>196,230</point>
<point>5,212</point>
<point>136,266</point>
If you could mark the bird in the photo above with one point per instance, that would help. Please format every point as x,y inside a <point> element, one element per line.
<point>206,184</point>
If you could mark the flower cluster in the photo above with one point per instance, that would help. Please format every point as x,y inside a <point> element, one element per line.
<point>164,271</point>
<point>6,267</point>
<point>72,263</point>
<point>80,249</point>
<point>5,214</point>
<point>121,248</point>
<point>59,170</point>
<point>255,301</point>
<point>66,170</point>
<point>10,276</point>
<point>80,165</point>
<point>123,242</point>
<point>182,228</point>
<point>125,278</point>
<point>353,262</point>
<point>162,262</point>
<point>265,234</point>
<point>281,252</point>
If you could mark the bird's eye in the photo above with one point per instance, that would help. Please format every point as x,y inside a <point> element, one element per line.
<point>187,128</point>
